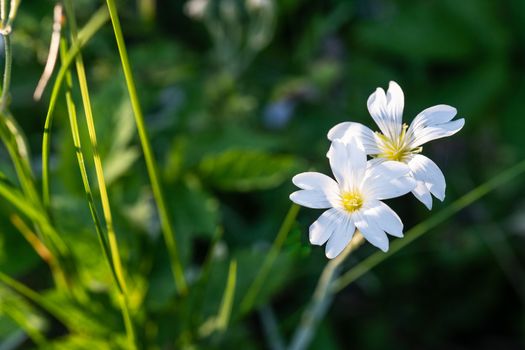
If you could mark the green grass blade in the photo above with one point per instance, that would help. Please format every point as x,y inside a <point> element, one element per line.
<point>151,164</point>
<point>115,262</point>
<point>95,23</point>
<point>71,108</point>
<point>223,318</point>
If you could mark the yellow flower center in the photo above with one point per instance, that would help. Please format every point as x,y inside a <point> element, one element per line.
<point>352,201</point>
<point>397,149</point>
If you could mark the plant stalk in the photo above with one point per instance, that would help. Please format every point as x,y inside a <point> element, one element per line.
<point>151,164</point>
<point>115,262</point>
<point>7,72</point>
<point>322,297</point>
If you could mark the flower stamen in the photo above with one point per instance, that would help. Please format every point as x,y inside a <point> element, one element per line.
<point>397,148</point>
<point>351,201</point>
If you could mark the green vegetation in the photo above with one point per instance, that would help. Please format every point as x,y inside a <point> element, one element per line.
<point>144,198</point>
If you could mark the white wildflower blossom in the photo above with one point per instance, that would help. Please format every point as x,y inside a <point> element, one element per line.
<point>401,143</point>
<point>255,5</point>
<point>196,9</point>
<point>354,198</point>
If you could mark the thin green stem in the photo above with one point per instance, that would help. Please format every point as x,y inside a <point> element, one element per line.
<point>7,72</point>
<point>75,134</point>
<point>271,328</point>
<point>116,264</point>
<point>322,297</point>
<point>253,292</point>
<point>3,12</point>
<point>151,164</point>
<point>95,23</point>
<point>422,228</point>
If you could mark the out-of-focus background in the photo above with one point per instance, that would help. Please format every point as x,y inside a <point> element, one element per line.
<point>239,96</point>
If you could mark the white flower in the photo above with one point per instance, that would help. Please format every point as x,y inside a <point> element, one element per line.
<point>354,200</point>
<point>196,9</point>
<point>398,142</point>
<point>255,5</point>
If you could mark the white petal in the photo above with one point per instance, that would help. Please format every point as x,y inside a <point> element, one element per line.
<point>347,130</point>
<point>317,181</point>
<point>373,234</point>
<point>427,171</point>
<point>319,190</point>
<point>348,162</point>
<point>422,193</point>
<point>377,107</point>
<point>378,168</point>
<point>311,199</point>
<point>325,225</point>
<point>340,238</point>
<point>387,180</point>
<point>432,116</point>
<point>421,136</point>
<point>396,102</point>
<point>387,110</point>
<point>385,218</point>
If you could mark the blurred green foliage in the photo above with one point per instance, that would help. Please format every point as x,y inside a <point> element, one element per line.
<point>238,98</point>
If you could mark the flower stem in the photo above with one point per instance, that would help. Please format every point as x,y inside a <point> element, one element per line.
<point>322,297</point>
<point>151,164</point>
<point>7,72</point>
<point>270,328</point>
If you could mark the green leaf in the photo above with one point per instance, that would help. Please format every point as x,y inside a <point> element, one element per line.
<point>195,214</point>
<point>196,211</point>
<point>246,170</point>
<point>119,162</point>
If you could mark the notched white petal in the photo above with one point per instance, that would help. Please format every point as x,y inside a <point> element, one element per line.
<point>388,180</point>
<point>348,130</point>
<point>340,238</point>
<point>421,136</point>
<point>431,116</point>
<point>422,193</point>
<point>396,103</point>
<point>315,181</point>
<point>427,171</point>
<point>372,233</point>
<point>385,218</point>
<point>378,109</point>
<point>311,199</point>
<point>348,162</point>
<point>324,226</point>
